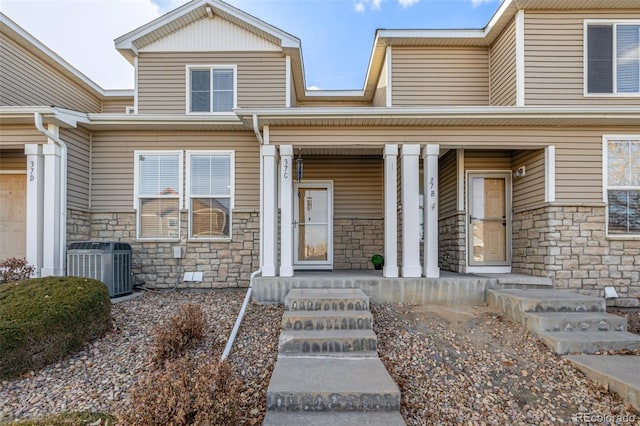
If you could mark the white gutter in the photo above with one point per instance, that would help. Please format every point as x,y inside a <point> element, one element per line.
<point>256,129</point>
<point>63,187</point>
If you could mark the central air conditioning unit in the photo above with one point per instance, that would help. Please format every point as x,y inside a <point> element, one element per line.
<point>106,261</point>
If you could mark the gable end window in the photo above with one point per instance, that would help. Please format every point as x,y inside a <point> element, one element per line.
<point>622,184</point>
<point>612,58</point>
<point>211,88</point>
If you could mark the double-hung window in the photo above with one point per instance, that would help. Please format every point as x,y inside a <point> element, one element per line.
<point>622,184</point>
<point>211,88</point>
<point>612,57</point>
<point>158,193</point>
<point>210,193</point>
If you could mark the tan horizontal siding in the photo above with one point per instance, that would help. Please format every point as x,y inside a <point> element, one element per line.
<point>19,135</point>
<point>380,95</point>
<point>554,58</point>
<point>162,79</point>
<point>27,80</point>
<point>78,170</point>
<point>576,148</point>
<point>529,190</point>
<point>502,63</point>
<point>12,159</point>
<point>357,184</point>
<point>112,177</point>
<point>440,76</point>
<point>448,183</point>
<point>116,106</point>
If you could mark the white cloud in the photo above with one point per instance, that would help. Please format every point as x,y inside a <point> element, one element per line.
<point>407,3</point>
<point>376,4</point>
<point>359,7</point>
<point>477,3</point>
<point>313,88</point>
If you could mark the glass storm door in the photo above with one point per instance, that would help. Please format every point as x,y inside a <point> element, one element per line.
<point>313,224</point>
<point>489,219</point>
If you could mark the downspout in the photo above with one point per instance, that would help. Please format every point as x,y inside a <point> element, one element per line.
<point>247,297</point>
<point>63,187</point>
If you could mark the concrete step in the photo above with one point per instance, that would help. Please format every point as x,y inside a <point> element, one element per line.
<point>314,342</point>
<point>513,303</point>
<point>620,373</point>
<point>306,418</point>
<point>327,299</point>
<point>327,320</point>
<point>573,321</point>
<point>517,281</point>
<point>589,341</point>
<point>331,384</point>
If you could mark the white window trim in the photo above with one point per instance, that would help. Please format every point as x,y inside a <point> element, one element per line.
<point>210,67</point>
<point>232,192</point>
<point>605,183</point>
<point>136,198</point>
<point>585,58</point>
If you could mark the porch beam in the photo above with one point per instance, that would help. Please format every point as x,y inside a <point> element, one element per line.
<point>410,211</point>
<point>390,269</point>
<point>430,155</point>
<point>286,210</point>
<point>269,210</point>
<point>35,209</point>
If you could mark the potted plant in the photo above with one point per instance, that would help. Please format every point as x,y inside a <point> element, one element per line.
<point>378,261</point>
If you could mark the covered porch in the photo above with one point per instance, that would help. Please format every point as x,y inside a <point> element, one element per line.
<point>448,289</point>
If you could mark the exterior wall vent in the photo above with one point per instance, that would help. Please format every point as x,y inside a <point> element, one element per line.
<point>129,110</point>
<point>106,261</point>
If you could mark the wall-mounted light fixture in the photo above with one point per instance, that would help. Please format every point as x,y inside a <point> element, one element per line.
<point>520,172</point>
<point>299,166</point>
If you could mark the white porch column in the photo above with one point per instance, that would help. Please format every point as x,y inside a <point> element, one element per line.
<point>35,210</point>
<point>430,155</point>
<point>51,205</point>
<point>410,211</point>
<point>269,211</point>
<point>390,269</point>
<point>286,210</point>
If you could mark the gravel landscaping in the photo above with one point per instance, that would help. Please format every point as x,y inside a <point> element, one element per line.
<point>453,364</point>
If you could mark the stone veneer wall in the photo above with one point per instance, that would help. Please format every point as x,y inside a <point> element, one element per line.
<point>78,225</point>
<point>569,245</point>
<point>451,243</point>
<point>224,263</point>
<point>355,241</point>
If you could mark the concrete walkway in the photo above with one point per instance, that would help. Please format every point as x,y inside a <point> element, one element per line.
<point>620,373</point>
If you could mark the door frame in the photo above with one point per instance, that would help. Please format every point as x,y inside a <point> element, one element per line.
<point>492,267</point>
<point>310,264</point>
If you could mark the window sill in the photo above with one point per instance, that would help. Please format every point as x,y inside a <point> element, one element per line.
<point>209,240</point>
<point>612,95</point>
<point>619,237</point>
<point>159,240</point>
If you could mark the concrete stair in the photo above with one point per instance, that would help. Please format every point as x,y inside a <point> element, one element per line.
<point>328,371</point>
<point>566,322</point>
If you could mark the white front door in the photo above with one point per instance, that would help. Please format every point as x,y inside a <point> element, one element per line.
<point>489,219</point>
<point>313,225</point>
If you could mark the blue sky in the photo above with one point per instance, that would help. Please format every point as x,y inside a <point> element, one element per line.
<point>336,35</point>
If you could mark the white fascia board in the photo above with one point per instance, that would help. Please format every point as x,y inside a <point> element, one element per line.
<point>70,117</point>
<point>119,93</point>
<point>5,21</point>
<point>24,110</point>
<point>452,33</point>
<point>496,16</point>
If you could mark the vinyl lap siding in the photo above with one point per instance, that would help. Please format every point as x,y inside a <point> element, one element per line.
<point>578,150</point>
<point>529,190</point>
<point>78,167</point>
<point>440,76</point>
<point>554,58</point>
<point>502,63</point>
<point>27,80</point>
<point>448,183</point>
<point>116,106</point>
<point>12,159</point>
<point>162,79</point>
<point>112,178</point>
<point>357,184</point>
<point>19,135</point>
<point>380,95</point>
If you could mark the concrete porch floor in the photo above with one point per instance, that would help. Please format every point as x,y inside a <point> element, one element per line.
<point>450,289</point>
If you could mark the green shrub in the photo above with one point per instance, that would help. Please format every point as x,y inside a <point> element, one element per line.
<point>44,319</point>
<point>183,393</point>
<point>183,330</point>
